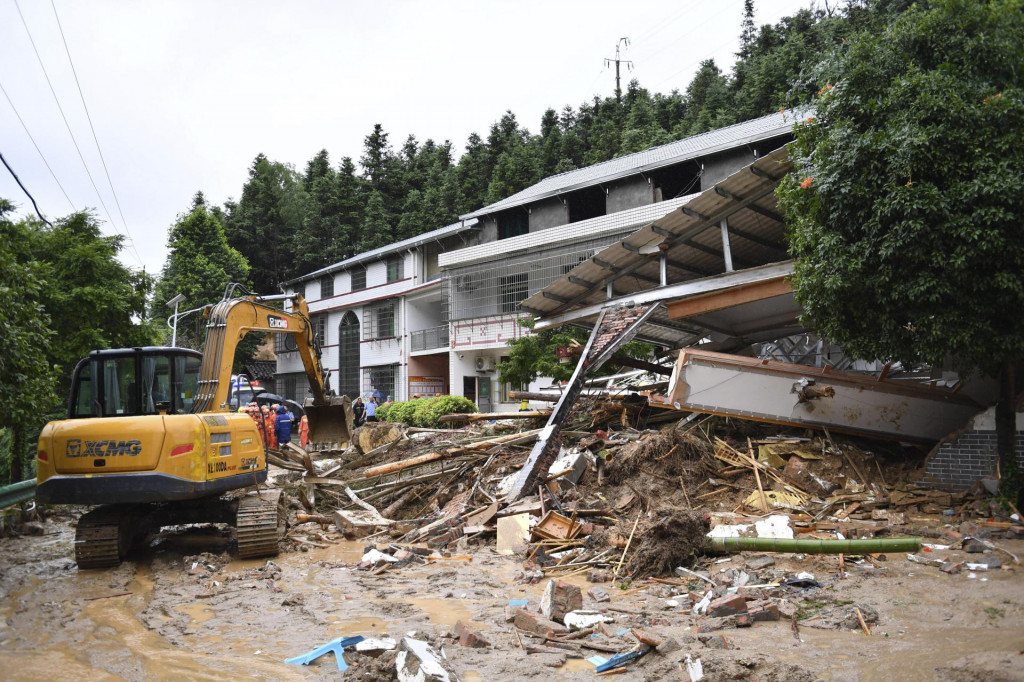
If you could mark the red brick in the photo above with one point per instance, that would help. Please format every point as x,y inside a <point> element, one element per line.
<point>763,611</point>
<point>467,636</point>
<point>536,624</point>
<point>559,599</point>
<point>729,605</point>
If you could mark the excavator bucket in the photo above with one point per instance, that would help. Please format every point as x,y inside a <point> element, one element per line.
<point>330,426</point>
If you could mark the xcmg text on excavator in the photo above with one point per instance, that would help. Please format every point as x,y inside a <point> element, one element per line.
<point>150,436</point>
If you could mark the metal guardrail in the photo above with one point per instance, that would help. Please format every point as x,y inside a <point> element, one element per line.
<point>426,339</point>
<point>17,493</point>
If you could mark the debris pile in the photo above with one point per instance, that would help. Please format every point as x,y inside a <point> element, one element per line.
<point>645,512</point>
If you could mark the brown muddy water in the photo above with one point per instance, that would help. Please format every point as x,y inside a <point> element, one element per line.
<point>157,617</point>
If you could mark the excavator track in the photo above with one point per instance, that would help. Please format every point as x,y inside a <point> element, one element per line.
<point>260,524</point>
<point>101,538</point>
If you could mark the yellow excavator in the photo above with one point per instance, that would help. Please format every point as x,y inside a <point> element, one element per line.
<point>151,437</point>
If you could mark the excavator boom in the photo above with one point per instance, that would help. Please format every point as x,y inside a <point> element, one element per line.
<point>228,321</point>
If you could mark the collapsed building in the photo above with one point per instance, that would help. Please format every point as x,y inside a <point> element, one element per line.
<point>708,284</point>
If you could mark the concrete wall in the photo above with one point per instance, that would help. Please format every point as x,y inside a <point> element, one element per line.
<point>488,229</point>
<point>960,460</point>
<point>718,167</point>
<point>628,193</point>
<point>548,213</point>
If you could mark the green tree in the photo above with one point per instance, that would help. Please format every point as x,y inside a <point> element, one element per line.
<point>200,265</point>
<point>708,101</point>
<point>263,225</point>
<point>324,236</point>
<point>27,379</point>
<point>906,213</point>
<point>473,175</point>
<point>92,299</point>
<point>376,230</point>
<point>534,356</point>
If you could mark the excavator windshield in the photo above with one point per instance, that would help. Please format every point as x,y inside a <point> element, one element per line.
<point>135,381</point>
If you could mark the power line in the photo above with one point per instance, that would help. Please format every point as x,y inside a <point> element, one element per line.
<point>45,162</point>
<point>23,189</point>
<point>103,161</point>
<point>66,124</point>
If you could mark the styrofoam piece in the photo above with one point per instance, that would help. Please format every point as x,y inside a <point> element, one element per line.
<point>583,619</point>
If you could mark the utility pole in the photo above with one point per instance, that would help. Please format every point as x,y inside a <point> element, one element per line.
<point>629,65</point>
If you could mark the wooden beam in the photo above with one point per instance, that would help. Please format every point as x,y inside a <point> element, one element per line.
<point>719,300</point>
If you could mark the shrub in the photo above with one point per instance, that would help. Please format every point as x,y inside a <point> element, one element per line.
<point>401,411</point>
<point>383,410</point>
<point>429,412</point>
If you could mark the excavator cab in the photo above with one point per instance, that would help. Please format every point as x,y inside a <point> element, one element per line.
<point>135,381</point>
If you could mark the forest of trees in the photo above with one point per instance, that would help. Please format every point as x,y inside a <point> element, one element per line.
<point>63,291</point>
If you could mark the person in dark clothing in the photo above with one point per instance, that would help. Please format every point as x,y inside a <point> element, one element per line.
<point>283,425</point>
<point>358,411</point>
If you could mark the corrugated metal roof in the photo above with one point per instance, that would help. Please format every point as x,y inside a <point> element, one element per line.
<point>694,250</point>
<point>766,127</point>
<point>375,254</point>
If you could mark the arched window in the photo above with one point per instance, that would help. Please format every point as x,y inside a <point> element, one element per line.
<point>348,355</point>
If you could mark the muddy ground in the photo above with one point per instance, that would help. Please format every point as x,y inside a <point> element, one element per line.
<point>185,608</point>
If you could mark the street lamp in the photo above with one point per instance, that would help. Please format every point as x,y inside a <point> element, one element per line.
<point>173,303</point>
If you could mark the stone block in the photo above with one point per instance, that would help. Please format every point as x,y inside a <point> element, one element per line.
<point>759,563</point>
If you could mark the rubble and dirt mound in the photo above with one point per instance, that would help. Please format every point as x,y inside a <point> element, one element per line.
<point>409,536</point>
<point>674,537</point>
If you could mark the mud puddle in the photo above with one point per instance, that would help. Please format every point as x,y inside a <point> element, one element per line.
<point>168,615</point>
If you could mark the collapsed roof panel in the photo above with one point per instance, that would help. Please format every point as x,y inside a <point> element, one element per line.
<point>798,395</point>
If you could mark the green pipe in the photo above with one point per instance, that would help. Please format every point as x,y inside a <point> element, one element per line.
<point>814,546</point>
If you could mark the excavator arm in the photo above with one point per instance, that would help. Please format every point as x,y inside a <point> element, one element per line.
<point>229,320</point>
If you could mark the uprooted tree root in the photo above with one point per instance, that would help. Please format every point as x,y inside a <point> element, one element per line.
<point>673,538</point>
<point>668,452</point>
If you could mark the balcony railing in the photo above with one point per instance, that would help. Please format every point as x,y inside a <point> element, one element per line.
<point>427,339</point>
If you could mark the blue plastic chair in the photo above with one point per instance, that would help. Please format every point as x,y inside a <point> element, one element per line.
<point>335,645</point>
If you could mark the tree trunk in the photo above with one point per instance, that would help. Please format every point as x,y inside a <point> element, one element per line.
<point>1006,434</point>
<point>17,445</point>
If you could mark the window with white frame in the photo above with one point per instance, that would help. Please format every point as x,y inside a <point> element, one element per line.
<point>320,329</point>
<point>327,286</point>
<point>348,355</point>
<point>380,320</point>
<point>381,381</point>
<point>396,269</point>
<point>358,278</point>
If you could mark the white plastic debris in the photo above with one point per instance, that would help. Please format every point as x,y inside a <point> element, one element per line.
<point>775,526</point>
<point>374,556</point>
<point>376,644</point>
<point>695,669</point>
<point>702,606</point>
<point>583,619</point>
<point>977,567</point>
<point>681,571</point>
<point>429,668</point>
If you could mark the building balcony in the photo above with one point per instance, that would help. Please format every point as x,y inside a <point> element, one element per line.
<point>429,339</point>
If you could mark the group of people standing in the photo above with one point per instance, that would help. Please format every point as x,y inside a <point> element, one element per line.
<point>366,411</point>
<point>276,424</point>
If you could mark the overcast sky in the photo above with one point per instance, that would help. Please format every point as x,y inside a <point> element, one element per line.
<point>183,95</point>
